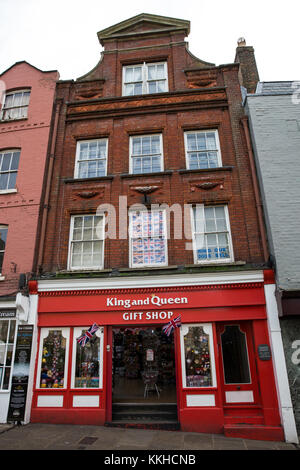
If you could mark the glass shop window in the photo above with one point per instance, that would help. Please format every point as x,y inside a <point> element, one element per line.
<point>197,356</point>
<point>88,361</point>
<point>7,339</point>
<point>53,359</point>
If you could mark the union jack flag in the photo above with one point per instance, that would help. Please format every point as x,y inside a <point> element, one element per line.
<point>83,339</point>
<point>176,323</point>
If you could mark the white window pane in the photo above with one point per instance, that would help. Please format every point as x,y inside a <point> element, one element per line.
<point>129,90</point>
<point>26,96</point>
<point>87,234</point>
<point>15,161</point>
<point>6,161</point>
<point>3,180</point>
<point>201,142</point>
<point>87,248</point>
<point>12,180</point>
<point>17,99</point>
<point>211,141</point>
<point>203,160</point>
<point>155,144</point>
<point>160,71</point>
<point>138,88</point>
<point>9,101</point>
<point>78,222</point>
<point>92,169</point>
<point>151,72</point>
<point>88,221</point>
<point>136,146</point>
<point>191,142</point>
<point>77,248</point>
<point>136,165</point>
<point>137,74</point>
<point>77,234</point>
<point>83,170</point>
<point>212,159</point>
<point>146,148</point>
<point>129,74</point>
<point>76,260</point>
<point>156,164</point>
<point>83,151</point>
<point>161,86</point>
<point>152,87</point>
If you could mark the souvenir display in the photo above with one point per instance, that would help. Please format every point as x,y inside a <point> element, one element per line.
<point>87,364</point>
<point>53,360</point>
<point>197,358</point>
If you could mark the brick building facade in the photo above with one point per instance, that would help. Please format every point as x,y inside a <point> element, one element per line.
<point>154,127</point>
<point>27,97</point>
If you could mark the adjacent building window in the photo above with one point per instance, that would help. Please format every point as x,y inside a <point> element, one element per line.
<point>7,339</point>
<point>211,234</point>
<point>86,249</point>
<point>53,359</point>
<point>3,236</point>
<point>91,158</point>
<point>146,154</point>
<point>148,238</point>
<point>145,78</point>
<point>202,150</point>
<point>87,360</point>
<point>9,163</point>
<point>198,363</point>
<point>15,105</point>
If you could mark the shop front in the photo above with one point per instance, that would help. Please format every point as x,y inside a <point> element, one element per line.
<point>213,373</point>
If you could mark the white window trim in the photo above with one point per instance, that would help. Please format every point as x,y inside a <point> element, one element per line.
<point>165,238</point>
<point>10,190</point>
<point>79,142</point>
<point>207,328</point>
<point>143,156</point>
<point>43,334</point>
<point>99,333</point>
<point>145,81</point>
<point>83,268</point>
<point>7,390</point>
<point>201,132</point>
<point>213,261</point>
<point>3,109</point>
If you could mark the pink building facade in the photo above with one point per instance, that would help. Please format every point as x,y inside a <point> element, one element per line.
<point>26,113</point>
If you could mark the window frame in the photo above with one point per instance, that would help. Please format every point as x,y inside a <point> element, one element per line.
<point>2,152</point>
<point>187,151</point>
<point>76,333</point>
<point>4,109</point>
<point>6,390</point>
<point>77,160</point>
<point>131,265</point>
<point>145,81</point>
<point>212,261</point>
<point>131,157</point>
<point>44,332</point>
<point>82,268</point>
<point>210,332</point>
<point>2,226</point>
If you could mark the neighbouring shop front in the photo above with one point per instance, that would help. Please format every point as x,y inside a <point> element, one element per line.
<point>213,373</point>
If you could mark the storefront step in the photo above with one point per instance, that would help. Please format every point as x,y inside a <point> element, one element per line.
<point>257,432</point>
<point>162,426</point>
<point>144,412</point>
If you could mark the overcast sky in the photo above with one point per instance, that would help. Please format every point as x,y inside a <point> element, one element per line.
<point>62,34</point>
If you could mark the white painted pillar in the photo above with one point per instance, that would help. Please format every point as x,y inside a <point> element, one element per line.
<point>281,376</point>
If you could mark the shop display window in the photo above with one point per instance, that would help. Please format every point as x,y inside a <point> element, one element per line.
<point>53,358</point>
<point>197,356</point>
<point>7,339</point>
<point>87,361</point>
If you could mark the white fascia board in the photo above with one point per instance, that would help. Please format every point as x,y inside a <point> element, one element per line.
<point>150,281</point>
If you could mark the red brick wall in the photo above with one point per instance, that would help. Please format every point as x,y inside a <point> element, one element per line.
<point>206,98</point>
<point>20,210</point>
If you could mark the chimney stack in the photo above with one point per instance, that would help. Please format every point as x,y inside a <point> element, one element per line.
<point>248,73</point>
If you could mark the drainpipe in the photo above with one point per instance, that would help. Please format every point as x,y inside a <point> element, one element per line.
<point>48,186</point>
<point>262,228</point>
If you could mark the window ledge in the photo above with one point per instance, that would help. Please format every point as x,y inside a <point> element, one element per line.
<point>7,191</point>
<point>85,180</point>
<point>214,264</point>
<point>147,268</point>
<point>146,175</point>
<point>83,271</point>
<point>3,121</point>
<point>205,170</point>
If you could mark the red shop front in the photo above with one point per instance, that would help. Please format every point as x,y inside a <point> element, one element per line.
<point>213,374</point>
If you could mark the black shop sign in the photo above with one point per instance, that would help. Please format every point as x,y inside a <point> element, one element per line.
<point>20,377</point>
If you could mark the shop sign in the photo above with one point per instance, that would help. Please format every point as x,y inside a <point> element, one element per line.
<point>155,300</point>
<point>163,315</point>
<point>7,314</point>
<point>20,377</point>
<point>264,352</point>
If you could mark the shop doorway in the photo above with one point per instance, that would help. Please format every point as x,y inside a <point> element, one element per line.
<point>143,374</point>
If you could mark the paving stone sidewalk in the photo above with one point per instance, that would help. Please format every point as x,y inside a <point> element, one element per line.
<point>75,437</point>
